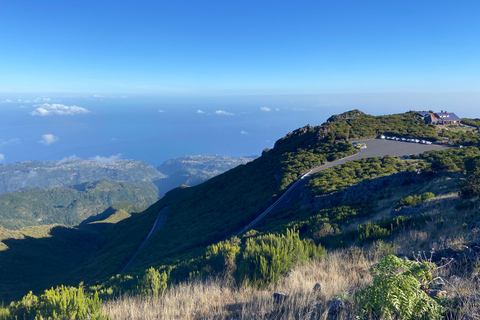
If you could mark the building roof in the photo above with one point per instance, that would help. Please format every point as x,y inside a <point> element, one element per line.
<point>423,113</point>
<point>447,116</point>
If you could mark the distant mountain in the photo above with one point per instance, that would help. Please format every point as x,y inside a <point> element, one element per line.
<point>71,205</point>
<point>193,170</point>
<point>37,174</point>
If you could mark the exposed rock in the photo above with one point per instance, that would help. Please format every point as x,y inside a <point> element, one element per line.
<point>279,297</point>
<point>289,273</point>
<point>334,308</point>
<point>317,304</point>
<point>318,288</point>
<point>437,284</point>
<point>346,115</point>
<point>318,307</point>
<point>437,294</point>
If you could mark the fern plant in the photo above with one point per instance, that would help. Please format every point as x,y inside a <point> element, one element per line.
<point>397,291</point>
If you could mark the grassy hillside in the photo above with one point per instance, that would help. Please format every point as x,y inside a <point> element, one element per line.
<point>34,258</point>
<point>70,205</point>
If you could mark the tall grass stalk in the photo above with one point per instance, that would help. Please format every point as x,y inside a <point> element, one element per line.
<point>214,298</point>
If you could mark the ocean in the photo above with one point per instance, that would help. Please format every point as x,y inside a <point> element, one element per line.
<point>157,129</point>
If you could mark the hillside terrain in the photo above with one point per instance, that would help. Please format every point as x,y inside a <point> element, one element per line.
<point>315,251</point>
<point>36,174</point>
<point>192,170</point>
<point>70,205</point>
<point>42,193</point>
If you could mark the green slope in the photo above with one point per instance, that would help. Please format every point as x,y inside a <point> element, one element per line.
<point>70,205</point>
<point>35,258</point>
<point>37,174</point>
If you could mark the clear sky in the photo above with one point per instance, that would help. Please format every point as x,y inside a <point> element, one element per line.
<point>191,48</point>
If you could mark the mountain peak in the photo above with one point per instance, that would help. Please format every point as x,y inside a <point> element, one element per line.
<point>352,114</point>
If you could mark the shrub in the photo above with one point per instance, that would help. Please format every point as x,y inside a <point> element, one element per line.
<point>59,303</point>
<point>414,200</point>
<point>153,282</point>
<point>221,257</point>
<point>266,258</point>
<point>397,291</point>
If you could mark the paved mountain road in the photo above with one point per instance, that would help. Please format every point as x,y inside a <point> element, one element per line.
<point>157,225</point>
<point>375,148</point>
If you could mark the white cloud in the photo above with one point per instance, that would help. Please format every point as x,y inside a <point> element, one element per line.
<point>200,111</point>
<point>277,109</point>
<point>161,111</point>
<point>101,159</point>
<point>2,157</point>
<point>243,132</point>
<point>57,109</point>
<point>72,157</point>
<point>224,113</point>
<point>299,109</point>
<point>98,96</point>
<point>48,139</point>
<point>42,99</point>
<point>7,101</point>
<point>10,141</point>
<point>265,109</point>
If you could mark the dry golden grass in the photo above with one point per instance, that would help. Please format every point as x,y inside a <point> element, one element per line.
<point>343,271</point>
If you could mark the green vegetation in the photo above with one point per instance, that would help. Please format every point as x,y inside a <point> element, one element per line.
<point>397,291</point>
<point>355,125</point>
<point>451,160</point>
<point>267,258</point>
<point>338,178</point>
<point>378,230</point>
<point>36,258</point>
<point>461,136</point>
<point>472,122</point>
<point>36,174</point>
<point>70,205</point>
<point>471,186</point>
<point>153,283</point>
<point>414,200</point>
<point>59,303</point>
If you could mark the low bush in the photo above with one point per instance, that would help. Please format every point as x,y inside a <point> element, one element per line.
<point>414,200</point>
<point>153,283</point>
<point>397,292</point>
<point>266,258</point>
<point>58,304</point>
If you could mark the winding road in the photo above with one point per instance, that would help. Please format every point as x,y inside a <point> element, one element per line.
<point>375,148</point>
<point>157,225</point>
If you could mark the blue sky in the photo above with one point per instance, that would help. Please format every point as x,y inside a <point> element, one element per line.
<point>123,79</point>
<point>192,48</point>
